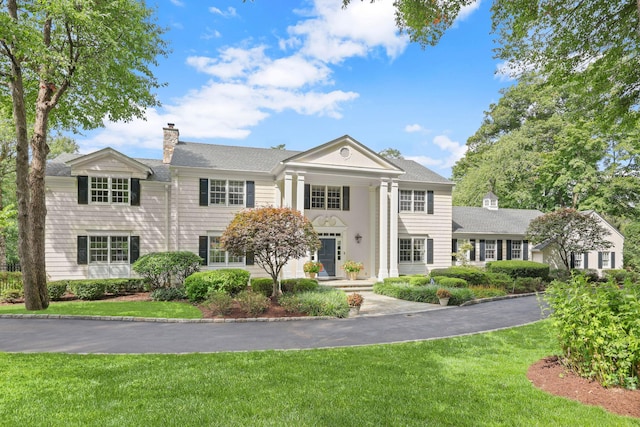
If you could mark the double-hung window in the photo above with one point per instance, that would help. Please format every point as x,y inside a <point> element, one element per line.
<point>416,201</point>
<point>411,250</point>
<point>516,249</point>
<point>490,250</point>
<point>578,260</point>
<point>606,259</point>
<point>226,192</point>
<point>109,190</point>
<point>326,197</point>
<point>108,249</point>
<point>211,250</point>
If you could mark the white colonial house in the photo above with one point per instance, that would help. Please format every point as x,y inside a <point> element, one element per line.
<point>106,209</point>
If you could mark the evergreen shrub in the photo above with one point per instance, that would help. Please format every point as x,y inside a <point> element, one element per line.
<point>519,268</point>
<point>473,275</point>
<point>229,280</point>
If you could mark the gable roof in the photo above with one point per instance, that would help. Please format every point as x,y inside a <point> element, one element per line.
<point>61,166</point>
<point>474,220</point>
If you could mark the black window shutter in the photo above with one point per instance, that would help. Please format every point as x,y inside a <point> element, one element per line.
<point>135,249</point>
<point>508,249</point>
<point>83,190</point>
<point>203,249</point>
<point>307,196</point>
<point>585,257</point>
<point>572,261</point>
<point>249,258</point>
<point>345,198</point>
<point>135,192</point>
<point>472,254</point>
<point>82,250</point>
<point>613,260</point>
<point>499,244</point>
<point>429,251</point>
<point>599,260</point>
<point>430,202</point>
<point>251,194</point>
<point>482,250</point>
<point>454,249</point>
<point>525,250</point>
<point>204,192</point>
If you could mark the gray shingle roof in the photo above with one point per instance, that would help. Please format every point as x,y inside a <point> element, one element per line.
<point>415,172</point>
<point>473,220</point>
<point>58,167</point>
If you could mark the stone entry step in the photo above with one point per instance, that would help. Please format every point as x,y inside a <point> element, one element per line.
<point>364,285</point>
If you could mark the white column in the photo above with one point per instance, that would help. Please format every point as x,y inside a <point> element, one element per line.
<point>372,231</point>
<point>277,196</point>
<point>383,272</point>
<point>300,208</point>
<point>288,191</point>
<point>393,231</point>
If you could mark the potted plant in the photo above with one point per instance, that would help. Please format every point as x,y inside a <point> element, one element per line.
<point>352,268</point>
<point>443,295</point>
<point>312,268</point>
<point>355,301</point>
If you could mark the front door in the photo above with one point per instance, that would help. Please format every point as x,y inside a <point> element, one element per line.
<point>327,256</point>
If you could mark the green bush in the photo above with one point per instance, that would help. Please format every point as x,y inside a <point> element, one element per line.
<point>321,302</point>
<point>523,285</point>
<point>597,326</point>
<point>620,276</point>
<point>473,275</point>
<point>559,274</point>
<point>419,280</point>
<point>253,303</point>
<point>392,280</point>
<point>590,274</point>
<point>89,289</point>
<point>123,286</point>
<point>460,295</point>
<point>161,269</point>
<point>10,280</point>
<point>451,282</point>
<point>11,295</point>
<point>219,302</point>
<point>518,268</point>
<point>229,280</point>
<point>57,289</point>
<point>298,285</point>
<point>422,293</point>
<point>499,280</point>
<point>168,294</point>
<point>487,291</point>
<point>263,285</point>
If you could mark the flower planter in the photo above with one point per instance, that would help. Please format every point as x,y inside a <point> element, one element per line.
<point>444,301</point>
<point>312,275</point>
<point>354,310</point>
<point>352,275</point>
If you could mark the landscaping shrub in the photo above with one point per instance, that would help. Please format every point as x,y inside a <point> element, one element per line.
<point>559,274</point>
<point>473,275</point>
<point>264,285</point>
<point>518,268</point>
<point>487,291</point>
<point>168,294</point>
<point>422,293</point>
<point>11,295</point>
<point>401,279</point>
<point>298,285</point>
<point>10,280</point>
<point>499,280</point>
<point>524,285</point>
<point>229,280</point>
<point>160,269</point>
<point>219,302</point>
<point>597,326</point>
<point>452,282</point>
<point>460,295</point>
<point>253,303</point>
<point>321,302</point>
<point>620,276</point>
<point>89,289</point>
<point>57,289</point>
<point>419,280</point>
<point>123,286</point>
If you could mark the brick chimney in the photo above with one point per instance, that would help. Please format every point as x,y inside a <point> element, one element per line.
<point>169,140</point>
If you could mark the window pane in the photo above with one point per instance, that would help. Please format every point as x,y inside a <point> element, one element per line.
<point>119,248</point>
<point>404,246</point>
<point>218,192</point>
<point>120,190</point>
<point>317,197</point>
<point>99,190</point>
<point>333,197</point>
<point>98,249</point>
<point>418,201</point>
<point>405,200</point>
<point>216,254</point>
<point>418,250</point>
<point>516,249</point>
<point>236,193</point>
<point>490,249</point>
<point>605,259</point>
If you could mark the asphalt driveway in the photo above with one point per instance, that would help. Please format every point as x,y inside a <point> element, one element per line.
<point>104,336</point>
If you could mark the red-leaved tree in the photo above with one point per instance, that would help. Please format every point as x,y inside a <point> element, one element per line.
<point>273,235</point>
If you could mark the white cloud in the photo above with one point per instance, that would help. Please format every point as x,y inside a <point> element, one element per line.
<point>228,13</point>
<point>177,3</point>
<point>210,33</point>
<point>425,160</point>
<point>416,128</point>
<point>456,149</point>
<point>468,10</point>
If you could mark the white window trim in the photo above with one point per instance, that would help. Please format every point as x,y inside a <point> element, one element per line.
<point>110,190</point>
<point>606,260</point>
<point>325,197</point>
<point>578,260</point>
<point>108,236</point>
<point>227,255</point>
<point>495,250</point>
<point>413,240</point>
<point>413,201</point>
<point>520,249</point>
<point>226,193</point>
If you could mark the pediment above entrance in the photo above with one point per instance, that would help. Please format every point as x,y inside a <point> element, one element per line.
<point>323,221</point>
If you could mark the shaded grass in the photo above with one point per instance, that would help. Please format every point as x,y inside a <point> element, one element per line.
<point>477,380</point>
<point>156,309</point>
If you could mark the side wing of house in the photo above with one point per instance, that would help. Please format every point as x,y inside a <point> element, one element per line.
<point>104,210</point>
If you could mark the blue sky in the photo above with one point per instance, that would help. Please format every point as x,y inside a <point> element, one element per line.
<point>302,73</point>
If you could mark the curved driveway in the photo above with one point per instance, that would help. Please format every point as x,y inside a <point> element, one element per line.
<point>99,336</point>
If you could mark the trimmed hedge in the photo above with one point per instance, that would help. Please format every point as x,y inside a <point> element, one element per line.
<point>57,289</point>
<point>518,268</point>
<point>422,293</point>
<point>229,280</point>
<point>450,282</point>
<point>473,275</point>
<point>264,285</point>
<point>487,292</point>
<point>321,302</point>
<point>392,280</point>
<point>168,294</point>
<point>88,289</point>
<point>620,276</point>
<point>161,268</point>
<point>499,280</point>
<point>298,285</point>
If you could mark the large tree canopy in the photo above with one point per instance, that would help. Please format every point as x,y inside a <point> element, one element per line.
<point>69,64</point>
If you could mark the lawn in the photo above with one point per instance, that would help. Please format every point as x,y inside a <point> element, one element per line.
<point>477,380</point>
<point>156,309</point>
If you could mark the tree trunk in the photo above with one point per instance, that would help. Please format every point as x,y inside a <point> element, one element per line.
<point>3,237</point>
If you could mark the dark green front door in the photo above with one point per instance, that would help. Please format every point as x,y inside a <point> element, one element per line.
<point>327,256</point>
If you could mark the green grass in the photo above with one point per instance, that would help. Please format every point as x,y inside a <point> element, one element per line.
<point>476,380</point>
<point>159,309</point>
